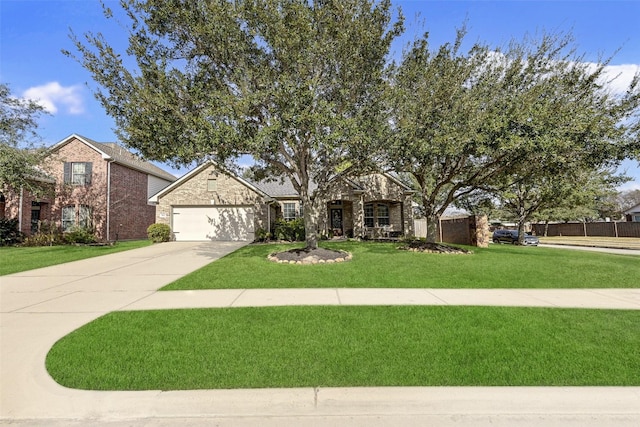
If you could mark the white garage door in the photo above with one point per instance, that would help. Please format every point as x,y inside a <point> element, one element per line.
<point>202,223</point>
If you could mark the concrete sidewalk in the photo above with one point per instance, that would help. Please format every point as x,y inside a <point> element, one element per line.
<point>39,307</point>
<point>626,299</point>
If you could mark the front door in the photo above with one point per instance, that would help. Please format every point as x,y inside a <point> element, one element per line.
<point>336,222</point>
<point>35,217</point>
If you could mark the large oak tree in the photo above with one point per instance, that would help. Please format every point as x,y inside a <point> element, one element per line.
<point>533,116</point>
<point>297,84</point>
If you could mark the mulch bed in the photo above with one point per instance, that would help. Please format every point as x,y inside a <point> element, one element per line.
<point>434,248</point>
<point>310,256</point>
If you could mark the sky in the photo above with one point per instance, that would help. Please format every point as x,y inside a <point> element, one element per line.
<point>33,33</point>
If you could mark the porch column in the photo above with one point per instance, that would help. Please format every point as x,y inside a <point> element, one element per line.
<point>407,216</point>
<point>358,217</point>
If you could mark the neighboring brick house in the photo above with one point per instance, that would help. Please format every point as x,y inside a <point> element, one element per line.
<point>210,203</point>
<point>98,185</point>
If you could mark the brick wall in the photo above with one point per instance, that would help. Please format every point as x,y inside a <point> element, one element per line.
<point>94,195</point>
<point>130,214</point>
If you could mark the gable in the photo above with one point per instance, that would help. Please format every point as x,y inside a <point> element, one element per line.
<point>109,152</point>
<point>208,184</point>
<point>381,186</point>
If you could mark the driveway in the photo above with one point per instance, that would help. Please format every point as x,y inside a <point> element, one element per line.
<point>41,306</point>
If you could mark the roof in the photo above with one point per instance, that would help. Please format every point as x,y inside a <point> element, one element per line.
<point>120,155</point>
<point>282,186</point>
<point>633,209</point>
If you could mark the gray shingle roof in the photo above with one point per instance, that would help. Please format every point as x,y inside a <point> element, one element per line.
<point>278,187</point>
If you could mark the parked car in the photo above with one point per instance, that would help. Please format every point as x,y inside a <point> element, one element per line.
<point>511,236</point>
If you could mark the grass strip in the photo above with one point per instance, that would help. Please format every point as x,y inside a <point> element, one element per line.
<point>350,346</point>
<point>17,259</point>
<point>382,265</point>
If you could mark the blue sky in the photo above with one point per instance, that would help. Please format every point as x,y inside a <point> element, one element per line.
<point>33,32</point>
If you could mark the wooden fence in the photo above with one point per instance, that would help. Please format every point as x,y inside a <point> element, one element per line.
<point>589,229</point>
<point>471,230</point>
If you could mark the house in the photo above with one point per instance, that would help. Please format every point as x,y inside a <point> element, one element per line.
<point>98,185</point>
<point>211,203</point>
<point>633,214</point>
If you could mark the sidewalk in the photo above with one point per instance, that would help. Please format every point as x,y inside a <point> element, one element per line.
<point>39,307</point>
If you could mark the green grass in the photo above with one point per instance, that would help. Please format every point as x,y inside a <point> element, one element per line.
<point>350,346</point>
<point>17,259</point>
<point>381,265</point>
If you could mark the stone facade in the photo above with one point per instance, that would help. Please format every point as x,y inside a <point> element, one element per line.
<point>340,212</point>
<point>211,186</point>
<point>374,190</point>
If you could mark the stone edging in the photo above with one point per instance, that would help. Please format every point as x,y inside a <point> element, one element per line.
<point>311,259</point>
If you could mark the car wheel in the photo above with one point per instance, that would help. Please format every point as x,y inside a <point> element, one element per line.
<point>496,241</point>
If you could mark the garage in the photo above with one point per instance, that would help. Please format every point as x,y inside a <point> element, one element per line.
<point>207,223</point>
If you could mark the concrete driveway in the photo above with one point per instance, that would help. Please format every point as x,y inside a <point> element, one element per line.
<point>39,307</point>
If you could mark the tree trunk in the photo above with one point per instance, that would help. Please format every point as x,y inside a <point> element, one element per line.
<point>310,223</point>
<point>521,232</point>
<point>432,227</point>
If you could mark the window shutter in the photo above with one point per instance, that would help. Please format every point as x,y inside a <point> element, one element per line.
<point>87,173</point>
<point>67,173</point>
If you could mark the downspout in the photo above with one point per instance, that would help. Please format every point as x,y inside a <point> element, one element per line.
<point>20,208</point>
<point>109,161</point>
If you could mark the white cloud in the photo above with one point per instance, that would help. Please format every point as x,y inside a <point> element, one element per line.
<point>53,97</point>
<point>619,76</point>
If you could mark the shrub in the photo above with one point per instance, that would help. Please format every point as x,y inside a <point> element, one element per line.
<point>48,235</point>
<point>159,233</point>
<point>291,231</point>
<point>9,233</point>
<point>262,235</point>
<point>79,235</point>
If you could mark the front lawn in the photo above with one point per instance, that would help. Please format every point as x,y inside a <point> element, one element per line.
<point>381,265</point>
<point>17,259</point>
<point>350,346</point>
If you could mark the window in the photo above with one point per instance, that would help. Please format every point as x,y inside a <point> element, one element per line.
<point>289,211</point>
<point>84,216</point>
<point>70,220</point>
<point>368,215</point>
<point>383,215</point>
<point>376,217</point>
<point>77,173</point>
<point>68,217</point>
<point>212,184</point>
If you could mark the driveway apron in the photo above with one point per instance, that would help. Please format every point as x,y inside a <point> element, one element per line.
<point>40,306</point>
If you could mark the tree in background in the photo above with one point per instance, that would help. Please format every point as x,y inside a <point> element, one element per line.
<point>615,204</point>
<point>573,195</point>
<point>18,153</point>
<point>297,84</point>
<point>522,124</point>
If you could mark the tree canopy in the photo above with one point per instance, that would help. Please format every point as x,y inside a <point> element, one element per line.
<point>532,116</point>
<point>18,154</point>
<point>297,84</point>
